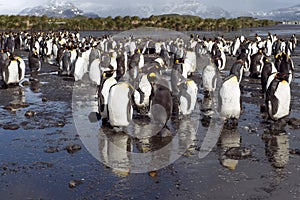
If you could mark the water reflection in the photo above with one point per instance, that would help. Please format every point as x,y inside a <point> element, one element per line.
<point>127,154</point>
<point>229,139</point>
<point>277,147</point>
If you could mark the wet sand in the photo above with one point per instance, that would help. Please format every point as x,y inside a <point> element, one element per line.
<point>37,160</point>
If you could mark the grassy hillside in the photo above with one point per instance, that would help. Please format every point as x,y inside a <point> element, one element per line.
<point>172,21</point>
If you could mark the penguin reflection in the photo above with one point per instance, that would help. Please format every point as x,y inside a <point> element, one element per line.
<point>113,149</point>
<point>277,148</point>
<point>229,139</point>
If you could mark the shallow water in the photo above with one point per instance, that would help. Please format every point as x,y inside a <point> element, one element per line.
<point>34,162</point>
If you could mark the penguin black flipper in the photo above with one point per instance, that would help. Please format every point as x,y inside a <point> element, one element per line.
<point>19,69</point>
<point>270,96</point>
<point>6,72</point>
<point>131,100</point>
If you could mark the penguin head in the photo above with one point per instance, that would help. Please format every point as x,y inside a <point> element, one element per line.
<point>152,77</point>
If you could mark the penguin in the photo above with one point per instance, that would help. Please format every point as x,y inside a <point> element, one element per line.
<point>161,100</point>
<point>34,61</point>
<point>245,57</point>
<point>284,64</point>
<point>256,64</point>
<point>268,69</point>
<point>95,54</point>
<point>187,97</point>
<point>238,69</point>
<point>278,97</point>
<point>66,63</point>
<point>230,99</point>
<point>210,76</point>
<point>81,65</point>
<point>14,72</point>
<point>120,109</point>
<point>235,46</point>
<point>219,58</point>
<point>107,81</point>
<point>142,94</point>
<point>4,62</point>
<point>95,72</point>
<point>189,65</point>
<point>121,65</point>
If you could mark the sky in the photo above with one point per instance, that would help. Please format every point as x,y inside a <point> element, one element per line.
<point>13,7</point>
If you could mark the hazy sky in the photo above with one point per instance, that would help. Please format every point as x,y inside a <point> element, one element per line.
<point>15,6</point>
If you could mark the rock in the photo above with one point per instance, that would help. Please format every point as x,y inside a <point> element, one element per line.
<point>30,113</point>
<point>74,183</point>
<point>73,148</point>
<point>238,153</point>
<point>294,123</point>
<point>11,127</point>
<point>44,99</point>
<point>51,150</point>
<point>295,151</point>
<point>60,124</point>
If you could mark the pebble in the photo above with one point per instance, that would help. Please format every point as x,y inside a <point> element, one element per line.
<point>72,148</point>
<point>11,127</point>
<point>60,124</point>
<point>30,113</point>
<point>51,150</point>
<point>294,123</point>
<point>44,99</point>
<point>74,183</point>
<point>238,152</point>
<point>295,151</point>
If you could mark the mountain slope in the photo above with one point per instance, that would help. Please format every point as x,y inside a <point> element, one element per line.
<point>65,9</point>
<point>283,14</point>
<point>189,7</point>
<point>61,9</point>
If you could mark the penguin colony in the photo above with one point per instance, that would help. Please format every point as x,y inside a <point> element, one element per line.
<point>155,78</point>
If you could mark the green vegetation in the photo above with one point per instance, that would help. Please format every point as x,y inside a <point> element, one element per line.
<point>174,22</point>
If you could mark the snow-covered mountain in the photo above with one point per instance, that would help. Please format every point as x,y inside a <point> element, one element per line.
<point>189,7</point>
<point>56,8</point>
<point>283,14</point>
<point>63,8</point>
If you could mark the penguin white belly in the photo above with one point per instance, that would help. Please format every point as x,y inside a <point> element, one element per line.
<point>119,108</point>
<point>86,57</point>
<point>230,99</point>
<point>95,72</point>
<point>79,68</point>
<point>209,80</point>
<point>105,93</point>
<point>185,107</point>
<point>13,70</point>
<point>141,61</point>
<point>73,56</point>
<point>191,59</point>
<point>186,67</point>
<point>55,50</point>
<point>146,88</point>
<point>283,94</point>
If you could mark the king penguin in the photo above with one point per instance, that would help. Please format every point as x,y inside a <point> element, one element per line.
<point>120,108</point>
<point>210,75</point>
<point>34,62</point>
<point>107,81</point>
<point>278,97</point>
<point>187,97</point>
<point>229,99</point>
